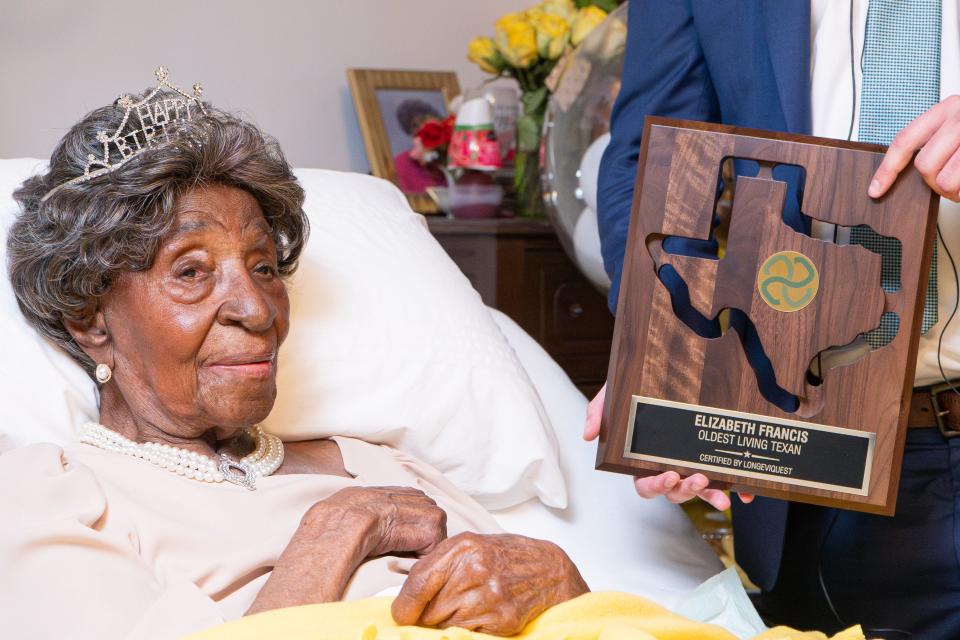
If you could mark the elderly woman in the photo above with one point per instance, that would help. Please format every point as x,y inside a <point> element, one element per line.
<point>155,254</point>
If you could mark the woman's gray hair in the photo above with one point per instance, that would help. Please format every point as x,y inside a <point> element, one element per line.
<point>65,252</point>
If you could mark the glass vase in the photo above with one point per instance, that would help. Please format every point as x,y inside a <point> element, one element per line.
<point>526,178</point>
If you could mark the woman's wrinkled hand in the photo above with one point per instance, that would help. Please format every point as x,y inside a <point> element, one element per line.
<point>395,519</point>
<point>338,533</point>
<point>668,484</point>
<point>489,583</point>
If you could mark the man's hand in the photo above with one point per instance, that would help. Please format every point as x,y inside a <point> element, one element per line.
<point>936,135</point>
<point>669,484</point>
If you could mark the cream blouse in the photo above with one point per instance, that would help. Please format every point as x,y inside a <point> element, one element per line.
<point>96,544</point>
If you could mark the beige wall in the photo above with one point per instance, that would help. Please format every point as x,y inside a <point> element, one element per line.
<point>279,62</point>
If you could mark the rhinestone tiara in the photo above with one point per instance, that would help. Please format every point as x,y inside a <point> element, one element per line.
<point>155,115</point>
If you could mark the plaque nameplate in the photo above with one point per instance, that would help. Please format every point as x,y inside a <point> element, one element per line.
<point>801,454</point>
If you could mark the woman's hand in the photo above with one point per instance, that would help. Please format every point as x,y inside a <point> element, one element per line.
<point>337,534</point>
<point>936,135</point>
<point>395,519</point>
<point>489,583</point>
<point>668,484</point>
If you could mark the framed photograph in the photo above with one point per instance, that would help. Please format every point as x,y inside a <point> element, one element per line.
<point>391,106</point>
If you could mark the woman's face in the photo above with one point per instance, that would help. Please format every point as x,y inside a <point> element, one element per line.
<point>195,338</point>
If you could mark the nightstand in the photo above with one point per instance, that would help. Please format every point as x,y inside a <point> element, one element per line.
<point>518,266</point>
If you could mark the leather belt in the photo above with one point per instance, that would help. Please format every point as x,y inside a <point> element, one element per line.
<point>937,406</point>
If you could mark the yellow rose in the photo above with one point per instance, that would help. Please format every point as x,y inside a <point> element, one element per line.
<point>517,40</point>
<point>483,53</point>
<point>586,21</point>
<point>563,8</point>
<point>553,33</point>
<point>509,19</point>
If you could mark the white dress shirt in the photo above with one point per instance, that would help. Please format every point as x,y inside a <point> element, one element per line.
<point>831,105</point>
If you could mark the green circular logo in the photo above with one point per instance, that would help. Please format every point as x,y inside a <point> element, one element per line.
<point>788,281</point>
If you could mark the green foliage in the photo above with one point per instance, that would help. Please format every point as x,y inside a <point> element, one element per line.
<point>531,121</point>
<point>606,5</point>
<point>535,100</point>
<point>520,170</point>
<point>528,132</point>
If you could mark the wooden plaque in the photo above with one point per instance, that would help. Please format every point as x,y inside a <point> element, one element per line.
<point>773,302</point>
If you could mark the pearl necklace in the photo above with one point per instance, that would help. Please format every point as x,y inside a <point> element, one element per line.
<point>265,459</point>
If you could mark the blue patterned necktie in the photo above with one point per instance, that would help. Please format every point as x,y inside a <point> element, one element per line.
<point>901,80</point>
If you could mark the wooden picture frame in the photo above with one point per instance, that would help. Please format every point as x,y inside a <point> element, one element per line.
<point>364,87</point>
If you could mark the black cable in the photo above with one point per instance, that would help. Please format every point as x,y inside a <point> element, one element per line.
<point>823,584</point>
<point>853,77</point>
<point>826,595</point>
<point>956,304</point>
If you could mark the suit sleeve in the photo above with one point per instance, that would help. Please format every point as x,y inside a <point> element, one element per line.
<point>664,73</point>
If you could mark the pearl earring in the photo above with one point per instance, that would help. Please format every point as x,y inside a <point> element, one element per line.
<point>103,373</point>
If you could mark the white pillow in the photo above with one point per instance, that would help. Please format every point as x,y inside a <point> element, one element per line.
<point>45,394</point>
<point>388,343</point>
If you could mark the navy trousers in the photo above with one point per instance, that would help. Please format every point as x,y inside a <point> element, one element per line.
<point>898,577</point>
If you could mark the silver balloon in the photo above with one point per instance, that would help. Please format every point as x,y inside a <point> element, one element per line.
<point>575,133</point>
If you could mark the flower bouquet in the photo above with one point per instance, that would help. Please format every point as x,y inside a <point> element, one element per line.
<point>423,165</point>
<point>432,139</point>
<point>527,46</point>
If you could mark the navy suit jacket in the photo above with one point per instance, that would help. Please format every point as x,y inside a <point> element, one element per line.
<point>739,62</point>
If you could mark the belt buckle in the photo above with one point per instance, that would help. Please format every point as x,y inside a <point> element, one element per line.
<point>940,413</point>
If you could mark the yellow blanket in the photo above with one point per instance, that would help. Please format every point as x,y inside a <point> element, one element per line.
<point>593,616</point>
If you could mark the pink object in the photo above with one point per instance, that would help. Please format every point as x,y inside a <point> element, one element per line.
<point>474,149</point>
<point>474,144</point>
<point>412,177</point>
<point>475,200</point>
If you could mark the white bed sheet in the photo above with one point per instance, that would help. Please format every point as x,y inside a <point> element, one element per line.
<point>619,541</point>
